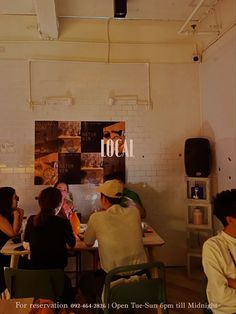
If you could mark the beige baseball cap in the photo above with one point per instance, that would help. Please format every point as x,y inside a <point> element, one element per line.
<point>111,188</point>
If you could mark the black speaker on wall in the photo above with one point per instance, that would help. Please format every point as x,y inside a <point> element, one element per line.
<point>197,157</point>
<point>120,8</point>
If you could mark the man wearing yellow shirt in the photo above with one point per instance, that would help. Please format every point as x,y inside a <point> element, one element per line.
<point>119,235</point>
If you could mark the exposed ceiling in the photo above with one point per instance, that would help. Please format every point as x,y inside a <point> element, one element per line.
<point>177,10</point>
<point>50,12</point>
<point>156,25</point>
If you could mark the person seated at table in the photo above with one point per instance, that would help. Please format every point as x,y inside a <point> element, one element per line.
<point>11,217</point>
<point>67,208</point>
<point>129,197</point>
<point>219,256</point>
<point>48,235</point>
<point>67,200</point>
<point>119,235</point>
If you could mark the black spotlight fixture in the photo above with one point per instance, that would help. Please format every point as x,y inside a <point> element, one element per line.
<point>120,8</point>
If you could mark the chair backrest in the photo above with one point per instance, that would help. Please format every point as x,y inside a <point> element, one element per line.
<point>149,290</point>
<point>45,283</point>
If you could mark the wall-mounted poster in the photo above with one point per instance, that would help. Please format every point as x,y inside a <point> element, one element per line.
<point>78,152</point>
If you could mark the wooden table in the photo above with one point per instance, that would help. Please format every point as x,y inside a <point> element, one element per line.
<point>16,306</point>
<point>150,240</point>
<point>9,249</point>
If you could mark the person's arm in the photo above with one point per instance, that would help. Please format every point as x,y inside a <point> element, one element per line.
<point>68,209</point>
<point>140,207</point>
<point>27,229</point>
<point>18,215</point>
<point>21,212</point>
<point>62,213</point>
<point>133,199</point>
<point>142,210</point>
<point>17,221</point>
<point>219,291</point>
<point>70,238</point>
<point>7,228</point>
<point>90,234</point>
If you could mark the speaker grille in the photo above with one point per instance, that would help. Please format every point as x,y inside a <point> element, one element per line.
<point>197,157</point>
<point>120,8</point>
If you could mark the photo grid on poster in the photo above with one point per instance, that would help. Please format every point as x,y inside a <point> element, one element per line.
<point>70,151</point>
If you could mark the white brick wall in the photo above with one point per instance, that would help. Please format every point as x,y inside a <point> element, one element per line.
<point>156,172</point>
<point>218,80</point>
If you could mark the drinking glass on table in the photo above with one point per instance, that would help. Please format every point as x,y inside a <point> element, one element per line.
<point>23,228</point>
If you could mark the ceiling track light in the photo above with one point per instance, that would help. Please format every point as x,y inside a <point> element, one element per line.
<point>120,8</point>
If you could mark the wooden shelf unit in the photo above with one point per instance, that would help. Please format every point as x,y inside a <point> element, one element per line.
<point>198,197</point>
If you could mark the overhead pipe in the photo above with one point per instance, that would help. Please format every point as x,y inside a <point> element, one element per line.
<point>226,30</point>
<point>190,16</point>
<point>134,98</point>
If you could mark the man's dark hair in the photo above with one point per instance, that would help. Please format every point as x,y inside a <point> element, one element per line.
<point>112,200</point>
<point>115,176</point>
<point>224,205</point>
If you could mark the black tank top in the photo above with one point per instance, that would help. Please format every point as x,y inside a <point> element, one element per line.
<point>3,236</point>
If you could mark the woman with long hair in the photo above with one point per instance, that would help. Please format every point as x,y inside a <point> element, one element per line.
<point>48,235</point>
<point>11,217</point>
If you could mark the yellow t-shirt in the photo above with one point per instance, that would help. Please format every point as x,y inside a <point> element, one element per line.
<point>119,234</point>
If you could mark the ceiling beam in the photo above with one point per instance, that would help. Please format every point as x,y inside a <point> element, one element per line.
<point>25,7</point>
<point>48,25</point>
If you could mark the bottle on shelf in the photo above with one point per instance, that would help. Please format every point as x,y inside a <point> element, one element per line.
<point>197,192</point>
<point>197,216</point>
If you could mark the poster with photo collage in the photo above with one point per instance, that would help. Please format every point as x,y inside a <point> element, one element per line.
<point>70,151</point>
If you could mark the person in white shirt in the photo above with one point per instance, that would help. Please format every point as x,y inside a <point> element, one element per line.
<point>219,256</point>
<point>119,235</point>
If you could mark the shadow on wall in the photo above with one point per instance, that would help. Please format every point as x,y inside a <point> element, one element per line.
<point>208,132</point>
<point>147,195</point>
<point>86,199</point>
<point>166,214</point>
<point>223,160</point>
<point>225,163</point>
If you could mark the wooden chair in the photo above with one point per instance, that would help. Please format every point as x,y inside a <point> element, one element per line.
<point>151,290</point>
<point>25,283</point>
